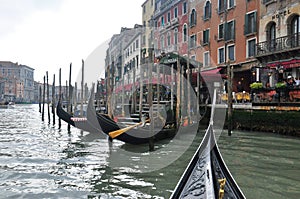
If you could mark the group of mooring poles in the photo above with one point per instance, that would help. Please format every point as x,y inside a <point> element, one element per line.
<point>69,94</point>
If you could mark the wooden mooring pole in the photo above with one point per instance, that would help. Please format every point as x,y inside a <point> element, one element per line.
<point>70,95</point>
<point>150,101</point>
<point>53,99</point>
<point>230,97</point>
<point>81,94</point>
<point>59,97</point>
<point>40,99</point>
<point>68,104</point>
<point>43,110</point>
<point>48,103</point>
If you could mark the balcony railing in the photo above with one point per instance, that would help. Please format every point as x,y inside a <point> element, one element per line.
<point>277,45</point>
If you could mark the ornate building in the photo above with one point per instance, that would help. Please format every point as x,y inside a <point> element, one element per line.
<point>278,47</point>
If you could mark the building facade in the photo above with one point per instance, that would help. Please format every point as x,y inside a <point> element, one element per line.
<point>147,19</point>
<point>225,32</point>
<point>16,82</point>
<point>278,48</point>
<point>170,27</point>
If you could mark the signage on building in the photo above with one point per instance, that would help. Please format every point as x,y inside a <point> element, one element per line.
<point>281,13</point>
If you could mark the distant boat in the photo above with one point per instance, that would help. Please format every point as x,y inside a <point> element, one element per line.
<point>7,104</point>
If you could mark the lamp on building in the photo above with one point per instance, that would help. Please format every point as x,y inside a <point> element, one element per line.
<point>253,71</point>
<point>270,73</point>
<point>280,68</point>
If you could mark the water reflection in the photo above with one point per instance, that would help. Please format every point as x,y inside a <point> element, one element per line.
<point>38,160</point>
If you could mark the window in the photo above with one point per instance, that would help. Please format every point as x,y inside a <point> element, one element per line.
<point>175,36</point>
<point>294,31</point>
<point>144,40</point>
<point>271,36</point>
<point>184,33</point>
<point>144,9</point>
<point>230,30</point>
<point>221,6</point>
<point>295,25</point>
<point>162,21</point>
<point>193,18</point>
<point>206,59</point>
<point>162,42</point>
<point>221,55</point>
<point>175,12</point>
<point>231,54</point>
<point>268,1</point>
<point>250,23</point>
<point>207,10</point>
<point>193,41</point>
<point>205,37</point>
<point>251,47</point>
<point>230,3</point>
<point>169,16</point>
<point>168,39</point>
<point>137,43</point>
<point>221,31</point>
<point>184,8</point>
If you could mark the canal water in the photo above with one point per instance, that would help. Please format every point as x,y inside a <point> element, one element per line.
<point>37,160</point>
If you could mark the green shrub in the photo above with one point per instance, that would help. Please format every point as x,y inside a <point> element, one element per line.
<point>256,85</point>
<point>280,85</point>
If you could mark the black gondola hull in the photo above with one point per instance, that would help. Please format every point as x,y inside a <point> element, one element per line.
<point>140,135</point>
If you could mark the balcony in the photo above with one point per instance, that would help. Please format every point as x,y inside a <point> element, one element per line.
<point>278,48</point>
<point>171,48</point>
<point>168,24</point>
<point>174,21</point>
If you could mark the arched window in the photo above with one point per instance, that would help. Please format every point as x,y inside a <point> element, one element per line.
<point>168,39</point>
<point>175,36</point>
<point>162,42</point>
<point>295,31</point>
<point>271,36</point>
<point>295,25</point>
<point>184,32</point>
<point>193,18</point>
<point>207,10</point>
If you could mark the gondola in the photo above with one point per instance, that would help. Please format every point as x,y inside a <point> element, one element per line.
<point>62,114</point>
<point>207,175</point>
<point>78,122</point>
<point>138,135</point>
<point>88,123</point>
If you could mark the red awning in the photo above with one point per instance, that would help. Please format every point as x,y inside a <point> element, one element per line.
<point>292,63</point>
<point>209,75</point>
<point>212,72</point>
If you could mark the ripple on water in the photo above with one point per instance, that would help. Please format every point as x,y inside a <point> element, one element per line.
<point>37,160</point>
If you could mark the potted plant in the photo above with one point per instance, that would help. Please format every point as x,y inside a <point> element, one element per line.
<point>280,85</point>
<point>256,85</point>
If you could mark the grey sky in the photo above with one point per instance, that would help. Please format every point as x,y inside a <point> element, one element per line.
<point>49,34</point>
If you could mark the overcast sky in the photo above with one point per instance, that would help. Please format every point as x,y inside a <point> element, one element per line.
<point>49,34</point>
